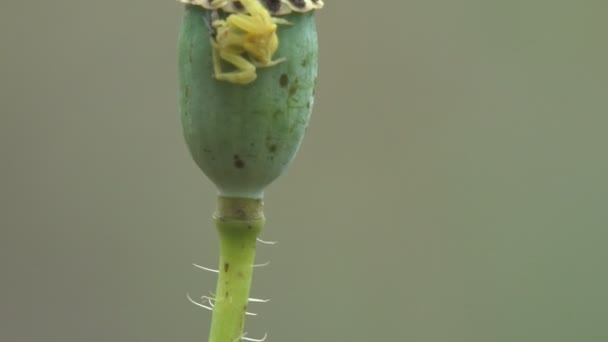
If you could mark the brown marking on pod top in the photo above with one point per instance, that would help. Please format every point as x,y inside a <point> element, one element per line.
<point>275,7</point>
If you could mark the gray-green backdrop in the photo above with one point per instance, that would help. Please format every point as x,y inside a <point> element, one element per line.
<point>451,187</point>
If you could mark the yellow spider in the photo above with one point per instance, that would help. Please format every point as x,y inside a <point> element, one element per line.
<point>253,33</point>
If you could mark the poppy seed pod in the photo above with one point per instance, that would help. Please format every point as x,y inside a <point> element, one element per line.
<point>244,115</point>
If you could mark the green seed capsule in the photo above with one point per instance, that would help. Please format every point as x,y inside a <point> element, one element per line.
<point>243,136</point>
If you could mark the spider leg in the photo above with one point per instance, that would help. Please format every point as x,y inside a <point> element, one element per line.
<point>217,63</point>
<point>218,23</point>
<point>281,21</point>
<point>244,74</point>
<point>269,64</point>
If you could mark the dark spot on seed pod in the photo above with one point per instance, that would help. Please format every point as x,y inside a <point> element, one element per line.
<point>272,148</point>
<point>305,62</point>
<point>240,274</point>
<point>226,267</point>
<point>293,88</point>
<point>284,80</point>
<point>308,105</point>
<point>249,226</point>
<point>277,114</point>
<point>238,162</point>
<point>252,144</point>
<point>227,294</point>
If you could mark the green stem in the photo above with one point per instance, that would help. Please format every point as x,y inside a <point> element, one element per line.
<point>239,222</point>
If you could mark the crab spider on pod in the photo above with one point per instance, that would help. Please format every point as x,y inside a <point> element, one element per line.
<point>247,72</point>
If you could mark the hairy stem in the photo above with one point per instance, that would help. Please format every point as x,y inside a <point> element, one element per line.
<point>239,222</point>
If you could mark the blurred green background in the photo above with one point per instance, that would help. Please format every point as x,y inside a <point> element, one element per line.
<point>451,187</point>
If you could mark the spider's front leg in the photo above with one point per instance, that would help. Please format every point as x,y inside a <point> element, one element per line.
<point>281,21</point>
<point>266,65</point>
<point>245,72</point>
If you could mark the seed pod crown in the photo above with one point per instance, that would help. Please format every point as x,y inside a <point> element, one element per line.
<point>275,7</point>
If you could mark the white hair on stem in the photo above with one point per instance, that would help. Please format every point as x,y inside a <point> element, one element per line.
<point>197,303</point>
<point>242,337</point>
<point>256,300</point>
<point>267,242</point>
<point>206,268</point>
<point>261,265</point>
<point>211,300</point>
